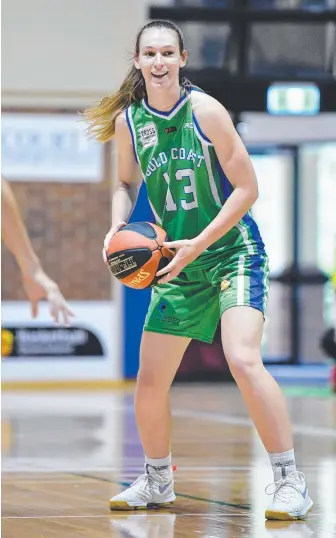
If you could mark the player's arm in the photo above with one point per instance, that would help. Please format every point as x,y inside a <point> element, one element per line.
<point>129,180</point>
<point>129,174</point>
<point>14,233</point>
<point>216,123</point>
<point>37,283</point>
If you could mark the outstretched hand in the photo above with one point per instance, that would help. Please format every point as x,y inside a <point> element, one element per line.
<point>186,252</point>
<point>38,285</point>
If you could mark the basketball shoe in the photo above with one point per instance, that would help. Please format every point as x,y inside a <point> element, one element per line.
<point>291,499</point>
<point>153,489</point>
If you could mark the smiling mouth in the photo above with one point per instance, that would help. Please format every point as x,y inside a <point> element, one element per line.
<point>159,76</point>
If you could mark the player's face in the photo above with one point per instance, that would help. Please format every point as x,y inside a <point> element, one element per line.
<point>159,57</point>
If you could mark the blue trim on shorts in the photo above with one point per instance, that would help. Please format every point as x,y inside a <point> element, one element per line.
<point>255,233</point>
<point>257,287</point>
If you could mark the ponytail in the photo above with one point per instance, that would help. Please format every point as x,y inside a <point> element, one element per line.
<point>102,117</point>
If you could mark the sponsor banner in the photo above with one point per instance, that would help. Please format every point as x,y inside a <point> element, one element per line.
<point>37,342</point>
<point>37,349</point>
<point>49,147</point>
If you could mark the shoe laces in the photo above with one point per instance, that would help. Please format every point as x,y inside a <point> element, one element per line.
<point>284,489</point>
<point>149,479</point>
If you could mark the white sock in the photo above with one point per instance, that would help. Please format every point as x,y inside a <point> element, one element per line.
<point>282,463</point>
<point>158,463</point>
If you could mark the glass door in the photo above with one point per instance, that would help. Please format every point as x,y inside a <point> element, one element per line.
<point>273,212</point>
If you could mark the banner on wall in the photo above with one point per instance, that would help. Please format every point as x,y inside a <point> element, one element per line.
<point>38,350</point>
<point>49,147</point>
<point>44,341</point>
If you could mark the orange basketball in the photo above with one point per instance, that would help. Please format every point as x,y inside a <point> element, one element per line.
<point>135,254</point>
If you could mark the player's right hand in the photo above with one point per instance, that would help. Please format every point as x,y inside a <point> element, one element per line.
<point>108,237</point>
<point>38,285</point>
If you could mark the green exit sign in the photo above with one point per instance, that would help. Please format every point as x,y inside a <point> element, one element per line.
<point>293,99</point>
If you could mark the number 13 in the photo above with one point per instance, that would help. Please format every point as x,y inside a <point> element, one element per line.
<point>188,189</point>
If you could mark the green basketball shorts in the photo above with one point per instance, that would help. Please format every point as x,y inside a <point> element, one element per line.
<point>192,303</point>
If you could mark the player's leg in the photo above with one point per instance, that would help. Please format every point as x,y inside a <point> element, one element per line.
<point>160,357</point>
<point>242,306</point>
<point>175,315</point>
<point>242,328</point>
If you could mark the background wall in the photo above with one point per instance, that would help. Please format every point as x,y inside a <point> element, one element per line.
<point>56,56</point>
<point>63,56</point>
<point>66,53</point>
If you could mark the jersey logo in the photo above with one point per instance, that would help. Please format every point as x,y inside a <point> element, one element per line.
<point>148,135</point>
<point>171,129</point>
<point>189,125</point>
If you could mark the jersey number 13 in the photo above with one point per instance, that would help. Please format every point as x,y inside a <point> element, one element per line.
<point>189,188</point>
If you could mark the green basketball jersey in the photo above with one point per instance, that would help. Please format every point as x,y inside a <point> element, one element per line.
<point>186,185</point>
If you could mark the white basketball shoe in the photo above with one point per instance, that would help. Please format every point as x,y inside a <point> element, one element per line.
<point>291,499</point>
<point>153,489</point>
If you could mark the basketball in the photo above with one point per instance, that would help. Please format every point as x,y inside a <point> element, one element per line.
<point>135,254</point>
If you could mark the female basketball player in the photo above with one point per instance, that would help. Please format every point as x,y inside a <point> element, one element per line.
<point>201,185</point>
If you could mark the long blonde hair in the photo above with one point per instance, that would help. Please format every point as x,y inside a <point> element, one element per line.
<point>102,117</point>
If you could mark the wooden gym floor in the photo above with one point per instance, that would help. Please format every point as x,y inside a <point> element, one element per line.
<point>65,454</point>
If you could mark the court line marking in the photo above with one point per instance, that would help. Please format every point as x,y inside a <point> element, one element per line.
<point>149,513</point>
<point>134,513</point>
<point>128,470</point>
<point>314,431</point>
<point>182,495</point>
<point>204,480</point>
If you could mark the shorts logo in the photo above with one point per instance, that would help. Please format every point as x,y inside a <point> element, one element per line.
<point>162,308</point>
<point>225,284</point>
<point>148,135</point>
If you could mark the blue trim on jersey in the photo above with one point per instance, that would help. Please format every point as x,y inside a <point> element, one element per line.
<point>225,183</point>
<point>181,99</point>
<point>255,234</point>
<point>200,130</point>
<point>195,89</point>
<point>132,135</point>
<point>257,287</point>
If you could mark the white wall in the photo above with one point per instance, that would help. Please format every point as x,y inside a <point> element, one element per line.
<point>66,52</point>
<point>73,52</point>
<point>261,128</point>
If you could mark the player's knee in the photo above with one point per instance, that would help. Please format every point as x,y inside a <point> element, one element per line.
<point>150,381</point>
<point>244,362</point>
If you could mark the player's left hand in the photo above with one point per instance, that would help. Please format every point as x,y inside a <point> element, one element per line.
<point>186,252</point>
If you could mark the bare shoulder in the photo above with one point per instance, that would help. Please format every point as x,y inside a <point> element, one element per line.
<point>203,104</point>
<point>121,127</point>
<point>209,112</point>
<point>121,119</point>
